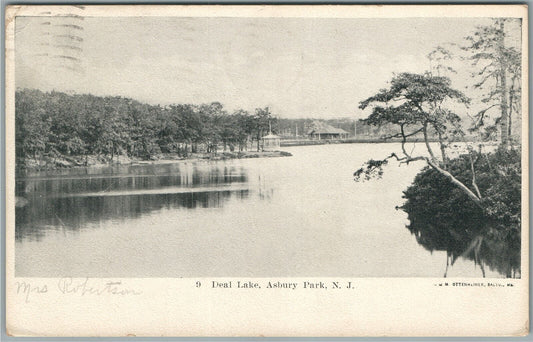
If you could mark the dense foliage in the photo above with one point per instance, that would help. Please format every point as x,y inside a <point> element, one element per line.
<point>444,218</point>
<point>55,124</point>
<point>58,124</point>
<point>498,176</point>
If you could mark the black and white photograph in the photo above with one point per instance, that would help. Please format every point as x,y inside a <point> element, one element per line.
<point>276,147</point>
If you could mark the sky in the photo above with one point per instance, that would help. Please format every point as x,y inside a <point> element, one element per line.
<point>299,67</point>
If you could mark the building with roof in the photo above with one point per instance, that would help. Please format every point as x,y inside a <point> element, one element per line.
<point>271,142</point>
<point>323,131</point>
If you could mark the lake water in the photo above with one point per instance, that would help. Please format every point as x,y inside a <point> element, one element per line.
<point>285,217</point>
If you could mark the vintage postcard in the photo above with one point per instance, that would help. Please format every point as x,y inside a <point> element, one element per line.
<point>196,170</point>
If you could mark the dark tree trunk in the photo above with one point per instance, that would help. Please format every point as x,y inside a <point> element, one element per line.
<point>511,99</point>
<point>504,119</point>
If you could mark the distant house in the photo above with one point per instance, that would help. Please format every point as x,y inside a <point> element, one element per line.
<point>323,131</point>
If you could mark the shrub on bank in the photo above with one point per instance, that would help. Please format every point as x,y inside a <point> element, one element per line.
<point>443,218</point>
<point>433,198</point>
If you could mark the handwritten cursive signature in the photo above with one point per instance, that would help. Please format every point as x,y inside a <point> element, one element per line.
<point>84,287</point>
<point>26,289</point>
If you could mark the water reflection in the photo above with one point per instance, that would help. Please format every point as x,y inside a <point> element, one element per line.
<point>475,240</point>
<point>54,202</point>
<point>301,216</point>
<point>139,177</point>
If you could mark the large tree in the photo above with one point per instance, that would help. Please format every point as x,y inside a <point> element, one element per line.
<point>418,104</point>
<point>498,74</point>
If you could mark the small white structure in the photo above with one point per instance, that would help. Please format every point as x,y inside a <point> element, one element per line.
<point>271,142</point>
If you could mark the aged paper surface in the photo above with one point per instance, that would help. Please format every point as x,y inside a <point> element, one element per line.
<point>258,247</point>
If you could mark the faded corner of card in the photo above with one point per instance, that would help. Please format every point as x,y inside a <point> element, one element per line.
<point>11,11</point>
<point>526,329</point>
<point>14,331</point>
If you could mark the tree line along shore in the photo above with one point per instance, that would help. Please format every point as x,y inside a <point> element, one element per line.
<point>56,130</point>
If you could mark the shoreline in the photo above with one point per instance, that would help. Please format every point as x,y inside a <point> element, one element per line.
<point>75,162</point>
<point>304,142</point>
<point>93,161</point>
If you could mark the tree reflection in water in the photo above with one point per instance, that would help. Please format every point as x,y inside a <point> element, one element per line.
<point>69,200</point>
<point>474,239</point>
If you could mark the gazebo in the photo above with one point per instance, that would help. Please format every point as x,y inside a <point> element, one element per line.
<point>271,142</point>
